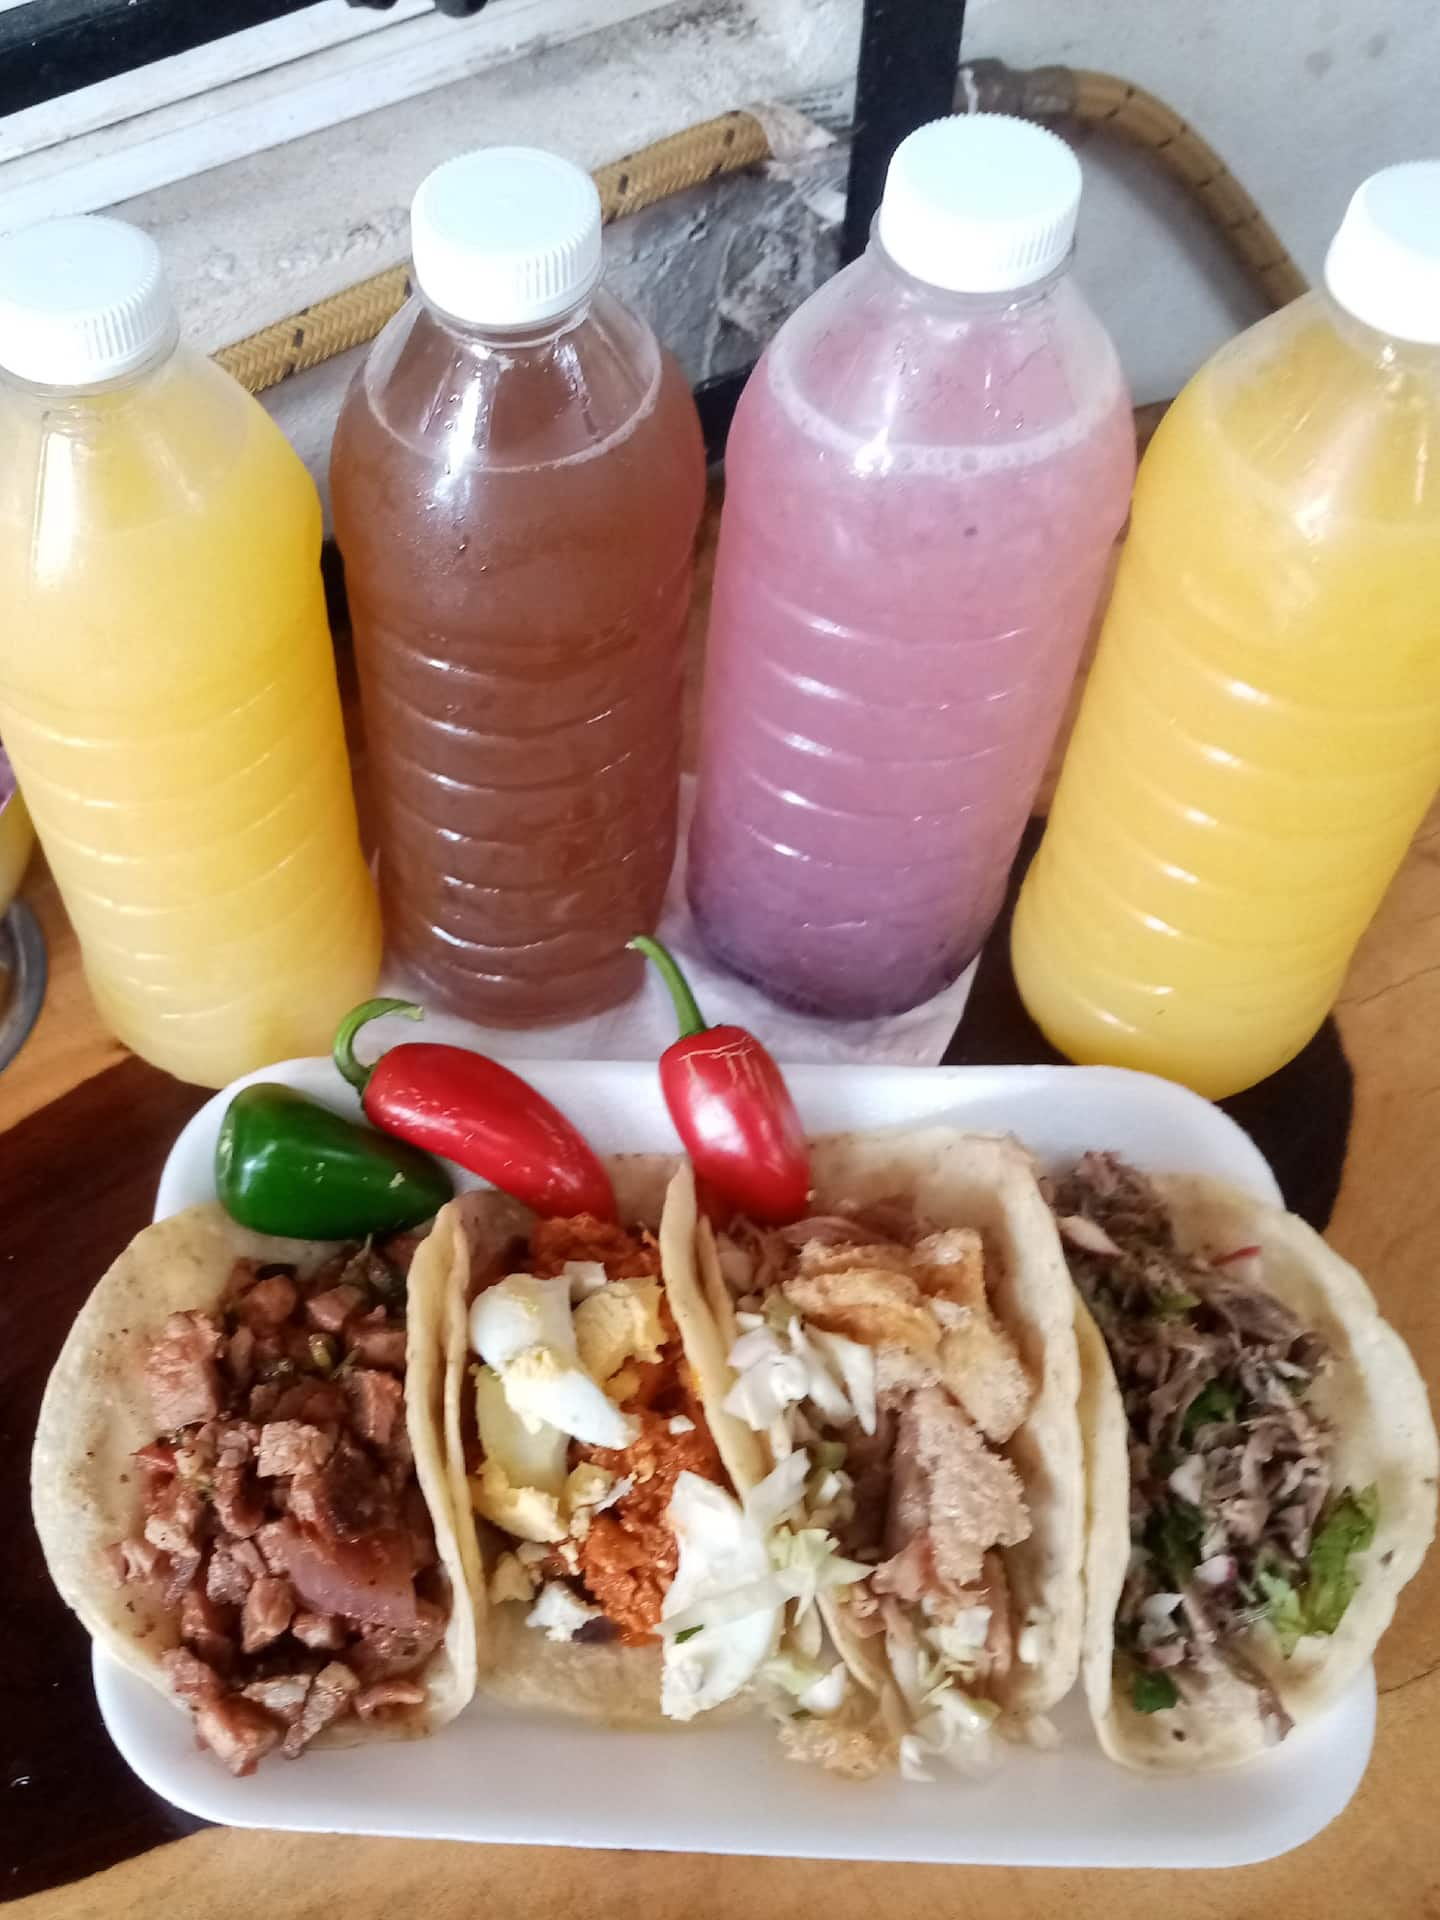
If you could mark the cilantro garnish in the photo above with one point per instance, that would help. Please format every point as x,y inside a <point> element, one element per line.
<point>1214,1405</point>
<point>1153,1692</point>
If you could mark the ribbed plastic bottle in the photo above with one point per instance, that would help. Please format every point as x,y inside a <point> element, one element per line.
<point>167,683</point>
<point>1261,733</point>
<point>925,476</point>
<point>518,476</point>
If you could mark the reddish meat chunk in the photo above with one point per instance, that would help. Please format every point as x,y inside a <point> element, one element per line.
<point>291,1446</point>
<point>330,1310</point>
<point>268,1608</point>
<point>180,1571</point>
<point>235,1443</point>
<point>331,1692</point>
<point>158,1458</point>
<point>325,1632</point>
<point>367,1580</point>
<point>315,1401</point>
<point>377,1342</point>
<point>385,1652</point>
<point>190,1678</point>
<point>181,1376</point>
<point>387,1696</point>
<point>134,1559</point>
<point>232,1570</point>
<point>345,1499</point>
<point>269,1303</point>
<point>207,1628</point>
<point>282,1694</point>
<point>238,1505</point>
<point>240,1356</point>
<point>376,1402</point>
<point>174,1520</point>
<point>238,1731</point>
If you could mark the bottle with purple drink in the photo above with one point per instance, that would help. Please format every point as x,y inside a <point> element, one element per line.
<point>925,477</point>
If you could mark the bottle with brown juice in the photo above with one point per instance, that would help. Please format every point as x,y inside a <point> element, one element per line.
<point>518,476</point>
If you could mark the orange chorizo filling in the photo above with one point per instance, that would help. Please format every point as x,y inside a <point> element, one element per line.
<point>629,1554</point>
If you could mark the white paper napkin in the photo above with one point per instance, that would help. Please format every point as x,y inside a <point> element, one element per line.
<point>643,1026</point>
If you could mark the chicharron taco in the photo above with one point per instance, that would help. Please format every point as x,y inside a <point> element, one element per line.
<point>238,1486</point>
<point>1261,1466</point>
<point>908,1352</point>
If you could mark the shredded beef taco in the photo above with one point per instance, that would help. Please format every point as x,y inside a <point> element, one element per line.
<point>907,1355</point>
<point>1261,1466</point>
<point>238,1485</point>
<point>595,1480</point>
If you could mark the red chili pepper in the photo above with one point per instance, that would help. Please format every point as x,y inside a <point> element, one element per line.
<point>732,1108</point>
<point>477,1113</point>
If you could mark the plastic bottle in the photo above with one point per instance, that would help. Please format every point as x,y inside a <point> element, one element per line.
<point>518,475</point>
<point>1261,733</point>
<point>924,479</point>
<point>16,835</point>
<point>167,685</point>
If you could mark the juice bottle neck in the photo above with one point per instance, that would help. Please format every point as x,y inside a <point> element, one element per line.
<point>60,396</point>
<point>510,340</point>
<point>992,305</point>
<point>1382,351</point>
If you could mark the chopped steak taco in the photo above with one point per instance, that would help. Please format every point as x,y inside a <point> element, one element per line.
<point>238,1486</point>
<point>1261,1460</point>
<point>592,1471</point>
<point>908,1355</point>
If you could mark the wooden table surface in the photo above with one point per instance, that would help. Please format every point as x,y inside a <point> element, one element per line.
<point>84,1129</point>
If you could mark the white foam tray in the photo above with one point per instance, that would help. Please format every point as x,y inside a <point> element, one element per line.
<point>543,1779</point>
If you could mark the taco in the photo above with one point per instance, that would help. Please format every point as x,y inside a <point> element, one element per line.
<point>1261,1463</point>
<point>238,1487</point>
<point>908,1353</point>
<point>595,1480</point>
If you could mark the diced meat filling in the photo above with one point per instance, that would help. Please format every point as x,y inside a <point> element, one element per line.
<point>282,1523</point>
<point>181,1374</point>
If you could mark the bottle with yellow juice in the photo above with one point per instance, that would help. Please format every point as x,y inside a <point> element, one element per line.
<point>1260,736</point>
<point>167,684</point>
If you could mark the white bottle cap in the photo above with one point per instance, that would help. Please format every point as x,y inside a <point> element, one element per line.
<point>1384,264</point>
<point>81,300</point>
<point>979,202</point>
<point>506,236</point>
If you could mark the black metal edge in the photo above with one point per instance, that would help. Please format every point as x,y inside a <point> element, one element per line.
<point>909,57</point>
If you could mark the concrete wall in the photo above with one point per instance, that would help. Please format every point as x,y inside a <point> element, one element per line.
<point>1302,97</point>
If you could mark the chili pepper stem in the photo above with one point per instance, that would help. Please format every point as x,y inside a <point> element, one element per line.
<point>691,1019</point>
<point>343,1052</point>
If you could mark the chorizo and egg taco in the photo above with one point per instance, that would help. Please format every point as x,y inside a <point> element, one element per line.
<point>1261,1465</point>
<point>598,1485</point>
<point>238,1486</point>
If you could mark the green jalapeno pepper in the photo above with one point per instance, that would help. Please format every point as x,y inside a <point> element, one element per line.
<point>285,1165</point>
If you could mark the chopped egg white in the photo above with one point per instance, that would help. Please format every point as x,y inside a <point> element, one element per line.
<point>559,1613</point>
<point>522,1328</point>
<point>530,1453</point>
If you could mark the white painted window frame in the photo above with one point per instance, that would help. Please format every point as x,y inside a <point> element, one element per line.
<point>259,88</point>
